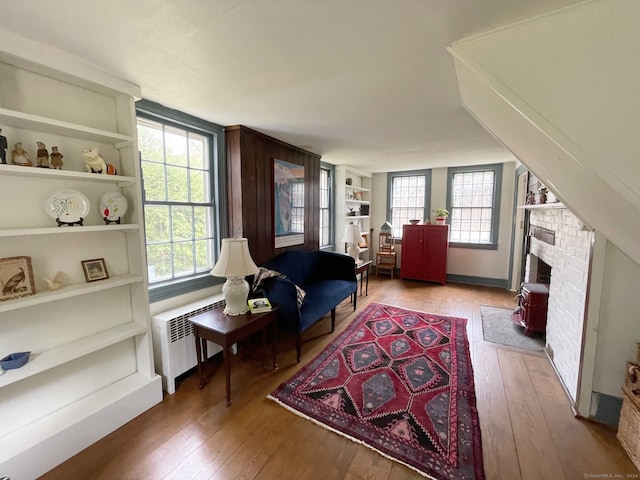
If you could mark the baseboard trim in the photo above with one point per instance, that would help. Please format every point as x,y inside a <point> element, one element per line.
<point>605,409</point>
<point>484,281</point>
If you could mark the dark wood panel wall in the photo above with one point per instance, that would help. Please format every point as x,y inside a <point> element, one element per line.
<point>250,156</point>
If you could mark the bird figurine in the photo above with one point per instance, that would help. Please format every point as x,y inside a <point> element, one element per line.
<point>55,283</point>
<point>95,163</point>
<point>14,282</point>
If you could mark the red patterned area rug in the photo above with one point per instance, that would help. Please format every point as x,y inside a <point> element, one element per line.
<point>401,383</point>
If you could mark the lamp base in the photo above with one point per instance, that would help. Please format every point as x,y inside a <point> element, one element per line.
<point>236,291</point>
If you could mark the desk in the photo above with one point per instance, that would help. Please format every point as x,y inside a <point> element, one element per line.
<point>226,330</point>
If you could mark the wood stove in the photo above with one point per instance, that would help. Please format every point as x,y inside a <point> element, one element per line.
<point>532,310</point>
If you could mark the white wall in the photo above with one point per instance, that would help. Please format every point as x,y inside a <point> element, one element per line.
<point>175,302</point>
<point>492,264</point>
<point>619,326</point>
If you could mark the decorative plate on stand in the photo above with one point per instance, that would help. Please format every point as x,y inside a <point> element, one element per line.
<point>113,206</point>
<point>68,207</point>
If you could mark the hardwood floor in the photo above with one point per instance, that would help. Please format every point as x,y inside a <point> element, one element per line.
<point>528,431</point>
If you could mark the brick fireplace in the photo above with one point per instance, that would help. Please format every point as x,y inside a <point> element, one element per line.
<point>560,251</point>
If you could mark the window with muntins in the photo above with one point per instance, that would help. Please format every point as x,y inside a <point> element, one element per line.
<point>473,203</point>
<point>408,198</point>
<point>325,207</point>
<point>179,161</point>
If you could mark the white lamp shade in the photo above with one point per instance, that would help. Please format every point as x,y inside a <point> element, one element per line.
<point>235,259</point>
<point>352,234</point>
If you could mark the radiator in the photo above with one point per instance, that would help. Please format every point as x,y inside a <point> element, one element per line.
<point>174,346</point>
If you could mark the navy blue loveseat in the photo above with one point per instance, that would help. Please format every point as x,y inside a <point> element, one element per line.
<point>326,278</point>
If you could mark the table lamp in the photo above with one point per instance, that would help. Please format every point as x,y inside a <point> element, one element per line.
<point>235,263</point>
<point>353,238</point>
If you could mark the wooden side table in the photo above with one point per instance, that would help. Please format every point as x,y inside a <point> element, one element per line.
<point>226,330</point>
<point>361,269</point>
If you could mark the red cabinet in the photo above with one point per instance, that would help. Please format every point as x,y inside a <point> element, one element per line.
<point>424,252</point>
<point>532,313</point>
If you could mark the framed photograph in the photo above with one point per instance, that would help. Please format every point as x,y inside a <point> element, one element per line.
<point>16,278</point>
<point>94,269</point>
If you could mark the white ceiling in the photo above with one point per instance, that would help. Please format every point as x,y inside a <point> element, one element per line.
<point>367,83</point>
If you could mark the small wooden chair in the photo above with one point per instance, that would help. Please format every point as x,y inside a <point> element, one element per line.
<point>386,255</point>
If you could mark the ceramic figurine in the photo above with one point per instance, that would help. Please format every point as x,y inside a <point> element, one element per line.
<point>3,148</point>
<point>95,162</point>
<point>56,283</point>
<point>19,156</point>
<point>543,195</point>
<point>531,199</point>
<point>56,158</point>
<point>42,155</point>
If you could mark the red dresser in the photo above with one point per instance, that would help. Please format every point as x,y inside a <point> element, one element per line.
<point>532,313</point>
<point>424,252</point>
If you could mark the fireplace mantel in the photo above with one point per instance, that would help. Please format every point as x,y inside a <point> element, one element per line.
<point>544,206</point>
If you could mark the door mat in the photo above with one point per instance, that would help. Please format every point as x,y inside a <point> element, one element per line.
<point>497,327</point>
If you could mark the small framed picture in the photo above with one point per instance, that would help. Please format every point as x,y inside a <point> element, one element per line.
<point>94,269</point>
<point>16,278</point>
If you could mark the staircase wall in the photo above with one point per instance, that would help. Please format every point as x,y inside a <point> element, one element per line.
<point>561,92</point>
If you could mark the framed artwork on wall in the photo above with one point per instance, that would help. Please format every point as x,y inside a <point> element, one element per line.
<point>288,203</point>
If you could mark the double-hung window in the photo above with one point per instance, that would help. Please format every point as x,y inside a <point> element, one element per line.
<point>326,224</point>
<point>473,200</point>
<point>179,157</point>
<point>408,198</point>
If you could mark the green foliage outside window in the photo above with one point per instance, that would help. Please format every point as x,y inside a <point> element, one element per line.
<point>178,207</point>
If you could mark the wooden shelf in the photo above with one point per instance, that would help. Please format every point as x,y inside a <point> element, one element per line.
<point>39,362</point>
<point>21,232</point>
<point>32,172</point>
<point>359,202</point>
<point>66,129</point>
<point>356,217</point>
<point>68,291</point>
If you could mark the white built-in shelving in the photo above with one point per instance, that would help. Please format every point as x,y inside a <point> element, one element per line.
<point>58,127</point>
<point>353,195</point>
<point>91,365</point>
<point>50,173</point>
<point>41,361</point>
<point>69,291</point>
<point>23,232</point>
